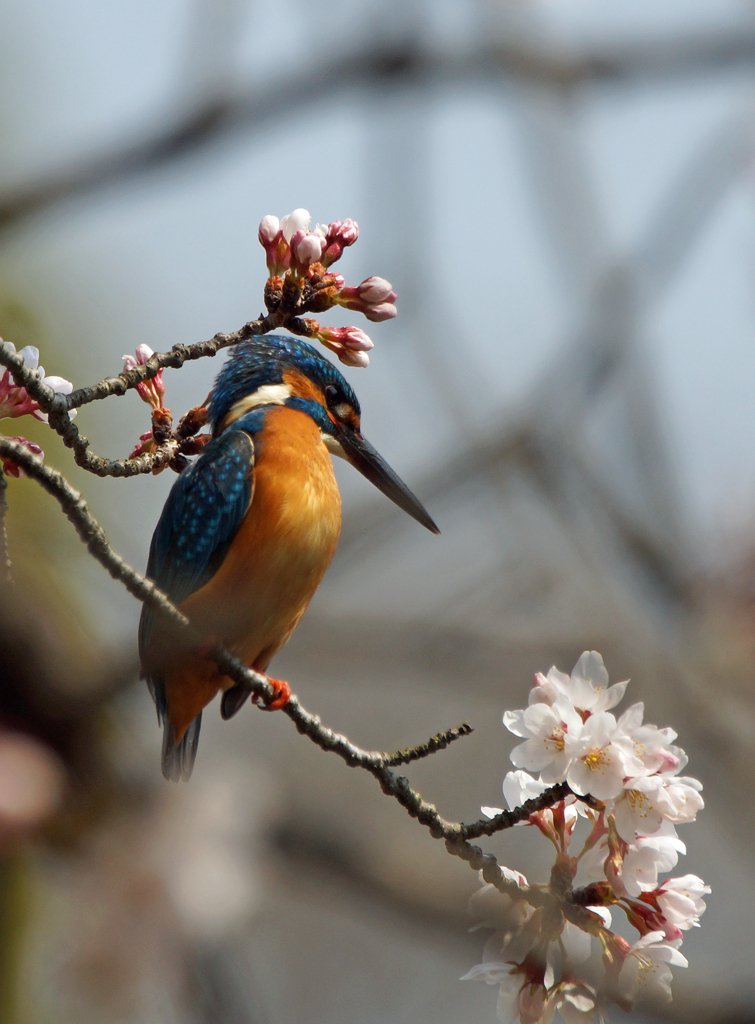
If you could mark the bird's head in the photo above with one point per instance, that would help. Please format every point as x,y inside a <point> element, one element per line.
<point>274,369</point>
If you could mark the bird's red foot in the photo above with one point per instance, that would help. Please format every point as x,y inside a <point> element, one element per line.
<point>281,698</point>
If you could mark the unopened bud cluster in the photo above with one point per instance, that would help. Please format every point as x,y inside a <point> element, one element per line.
<point>151,391</point>
<point>15,401</point>
<point>300,281</point>
<point>628,774</point>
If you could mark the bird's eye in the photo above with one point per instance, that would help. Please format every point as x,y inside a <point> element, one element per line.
<point>332,395</point>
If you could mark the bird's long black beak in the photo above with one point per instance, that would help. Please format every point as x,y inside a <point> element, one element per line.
<point>370,464</point>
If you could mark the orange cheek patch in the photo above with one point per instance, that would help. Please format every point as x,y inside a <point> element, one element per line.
<point>302,386</point>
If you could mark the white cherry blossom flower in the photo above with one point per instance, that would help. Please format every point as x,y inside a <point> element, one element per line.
<point>547,689</point>
<point>599,765</point>
<point>553,734</point>
<point>519,787</point>
<point>651,745</point>
<point>681,902</point>
<point>645,858</point>
<point>587,687</point>
<point>637,809</point>
<point>680,799</point>
<point>645,971</point>
<point>517,1000</point>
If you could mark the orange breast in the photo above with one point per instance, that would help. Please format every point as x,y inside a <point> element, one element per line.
<point>274,564</point>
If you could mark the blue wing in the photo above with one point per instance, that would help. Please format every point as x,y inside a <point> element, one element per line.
<point>201,516</point>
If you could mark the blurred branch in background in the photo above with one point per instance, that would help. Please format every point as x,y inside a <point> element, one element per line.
<point>221,118</point>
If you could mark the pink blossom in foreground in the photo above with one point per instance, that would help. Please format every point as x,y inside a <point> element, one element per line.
<point>15,401</point>
<point>152,390</point>
<point>32,783</point>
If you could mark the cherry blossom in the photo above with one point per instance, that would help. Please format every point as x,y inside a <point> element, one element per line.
<point>637,810</point>
<point>680,900</point>
<point>599,764</point>
<point>299,220</point>
<point>587,687</point>
<point>628,773</point>
<point>680,799</point>
<point>645,971</point>
<point>552,733</point>
<point>374,297</point>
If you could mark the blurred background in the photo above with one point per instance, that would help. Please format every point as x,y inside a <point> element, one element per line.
<point>562,195</point>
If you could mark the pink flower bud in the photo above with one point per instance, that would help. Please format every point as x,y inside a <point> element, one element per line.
<point>307,247</point>
<point>351,358</point>
<point>385,311</point>
<point>350,344</point>
<point>299,220</point>
<point>143,353</point>
<point>150,391</point>
<point>268,230</point>
<point>376,289</point>
<point>340,234</point>
<point>344,231</point>
<point>374,298</point>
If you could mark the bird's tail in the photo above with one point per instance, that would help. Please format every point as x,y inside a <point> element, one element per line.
<point>178,758</point>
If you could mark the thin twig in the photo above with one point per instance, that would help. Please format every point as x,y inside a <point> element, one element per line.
<point>58,407</point>
<point>174,359</point>
<point>438,742</point>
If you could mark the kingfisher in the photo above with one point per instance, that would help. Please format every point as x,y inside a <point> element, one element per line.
<point>249,529</point>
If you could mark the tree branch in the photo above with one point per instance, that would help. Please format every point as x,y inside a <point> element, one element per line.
<point>58,407</point>
<point>438,742</point>
<point>376,763</point>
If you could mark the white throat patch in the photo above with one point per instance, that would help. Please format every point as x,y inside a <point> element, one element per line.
<point>268,394</point>
<point>333,446</point>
